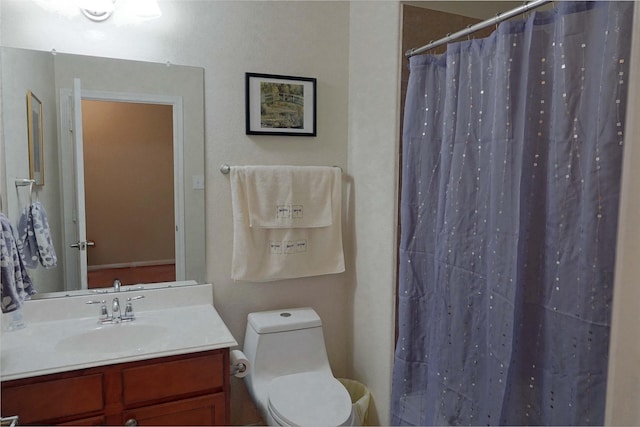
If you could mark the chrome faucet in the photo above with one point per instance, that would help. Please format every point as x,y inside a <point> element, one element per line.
<point>116,311</point>
<point>116,285</point>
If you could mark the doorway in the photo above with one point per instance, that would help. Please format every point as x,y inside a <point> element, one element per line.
<point>126,219</point>
<point>128,177</point>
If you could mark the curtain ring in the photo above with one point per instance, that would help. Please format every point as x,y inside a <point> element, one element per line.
<point>524,3</point>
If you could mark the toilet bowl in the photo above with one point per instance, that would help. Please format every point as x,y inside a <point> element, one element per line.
<point>291,381</point>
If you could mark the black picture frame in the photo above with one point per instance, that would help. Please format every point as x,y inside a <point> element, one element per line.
<point>280,105</point>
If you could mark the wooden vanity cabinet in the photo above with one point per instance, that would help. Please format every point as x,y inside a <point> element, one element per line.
<point>190,389</point>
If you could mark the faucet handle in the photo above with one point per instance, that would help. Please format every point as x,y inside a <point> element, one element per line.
<point>104,314</point>
<point>128,311</point>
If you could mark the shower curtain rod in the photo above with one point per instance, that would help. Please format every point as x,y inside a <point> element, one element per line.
<point>477,27</point>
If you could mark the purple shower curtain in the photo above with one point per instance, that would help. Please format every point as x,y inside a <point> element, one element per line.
<point>512,154</point>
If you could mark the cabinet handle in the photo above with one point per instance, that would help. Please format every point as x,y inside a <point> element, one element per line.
<point>131,422</point>
<point>9,421</point>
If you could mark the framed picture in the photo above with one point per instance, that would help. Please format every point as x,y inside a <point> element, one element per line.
<point>36,149</point>
<point>280,105</point>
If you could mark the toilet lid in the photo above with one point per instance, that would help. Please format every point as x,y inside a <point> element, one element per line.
<point>309,399</point>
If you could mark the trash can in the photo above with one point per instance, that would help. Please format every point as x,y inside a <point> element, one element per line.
<point>360,397</point>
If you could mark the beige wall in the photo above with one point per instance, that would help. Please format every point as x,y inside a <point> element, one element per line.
<point>128,155</point>
<point>19,74</point>
<point>623,387</point>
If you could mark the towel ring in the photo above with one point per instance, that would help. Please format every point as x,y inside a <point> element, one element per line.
<point>23,182</point>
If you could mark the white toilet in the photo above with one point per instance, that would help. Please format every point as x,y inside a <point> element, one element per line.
<point>290,379</point>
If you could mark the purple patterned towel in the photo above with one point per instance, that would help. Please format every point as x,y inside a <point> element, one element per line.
<point>35,235</point>
<point>16,284</point>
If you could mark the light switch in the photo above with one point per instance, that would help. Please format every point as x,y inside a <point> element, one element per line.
<point>198,182</point>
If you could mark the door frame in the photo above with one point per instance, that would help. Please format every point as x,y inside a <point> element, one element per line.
<point>66,148</point>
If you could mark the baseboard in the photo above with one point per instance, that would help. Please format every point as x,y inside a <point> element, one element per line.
<point>132,264</point>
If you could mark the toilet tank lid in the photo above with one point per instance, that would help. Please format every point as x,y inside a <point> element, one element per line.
<point>265,322</point>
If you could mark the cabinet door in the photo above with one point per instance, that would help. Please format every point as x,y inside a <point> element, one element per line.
<point>53,399</point>
<point>198,411</point>
<point>145,383</point>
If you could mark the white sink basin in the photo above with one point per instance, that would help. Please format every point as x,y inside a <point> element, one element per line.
<point>114,338</point>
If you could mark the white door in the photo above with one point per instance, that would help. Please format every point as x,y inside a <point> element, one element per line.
<point>81,244</point>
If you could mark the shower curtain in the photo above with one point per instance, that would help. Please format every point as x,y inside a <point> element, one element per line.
<point>512,154</point>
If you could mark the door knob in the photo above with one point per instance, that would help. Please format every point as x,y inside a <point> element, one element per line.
<point>82,245</point>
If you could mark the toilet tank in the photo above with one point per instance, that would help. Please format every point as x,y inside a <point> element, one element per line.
<point>282,342</point>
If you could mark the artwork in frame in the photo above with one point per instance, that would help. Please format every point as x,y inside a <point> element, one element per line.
<point>280,105</point>
<point>36,148</point>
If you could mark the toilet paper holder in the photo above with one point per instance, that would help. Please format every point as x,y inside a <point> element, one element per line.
<point>237,369</point>
<point>239,364</point>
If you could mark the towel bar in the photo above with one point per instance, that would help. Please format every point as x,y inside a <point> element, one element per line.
<point>225,169</point>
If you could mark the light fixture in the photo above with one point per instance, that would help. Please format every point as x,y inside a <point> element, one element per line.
<point>101,10</point>
<point>97,10</point>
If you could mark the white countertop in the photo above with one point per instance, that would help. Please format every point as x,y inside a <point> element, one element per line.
<point>169,321</point>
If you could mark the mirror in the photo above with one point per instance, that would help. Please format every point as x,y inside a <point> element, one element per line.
<point>121,83</point>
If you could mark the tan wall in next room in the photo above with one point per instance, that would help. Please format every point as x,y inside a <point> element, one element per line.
<point>128,151</point>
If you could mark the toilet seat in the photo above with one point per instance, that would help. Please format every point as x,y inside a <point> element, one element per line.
<point>309,399</point>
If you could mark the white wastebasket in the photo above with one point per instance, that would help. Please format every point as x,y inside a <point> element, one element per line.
<point>360,397</point>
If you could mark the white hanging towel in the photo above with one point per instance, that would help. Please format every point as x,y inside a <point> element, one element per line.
<point>286,222</point>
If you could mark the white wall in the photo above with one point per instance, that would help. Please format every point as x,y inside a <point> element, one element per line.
<point>374,88</point>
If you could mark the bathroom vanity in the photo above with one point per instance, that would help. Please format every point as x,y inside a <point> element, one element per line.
<point>170,366</point>
<point>190,389</point>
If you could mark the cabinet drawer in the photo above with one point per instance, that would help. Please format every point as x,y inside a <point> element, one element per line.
<point>173,379</point>
<point>52,399</point>
<point>198,411</point>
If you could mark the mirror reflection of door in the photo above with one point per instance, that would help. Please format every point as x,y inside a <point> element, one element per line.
<point>129,192</point>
